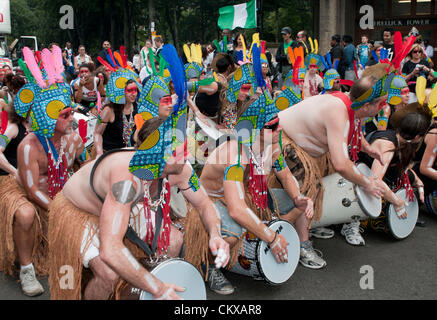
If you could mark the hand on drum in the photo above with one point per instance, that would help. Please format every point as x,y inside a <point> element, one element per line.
<point>400,209</point>
<point>279,249</point>
<point>220,250</point>
<point>304,204</point>
<point>376,187</point>
<point>168,292</point>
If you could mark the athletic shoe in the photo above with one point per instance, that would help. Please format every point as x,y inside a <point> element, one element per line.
<point>352,234</point>
<point>29,284</point>
<point>322,233</point>
<point>218,283</point>
<point>310,257</point>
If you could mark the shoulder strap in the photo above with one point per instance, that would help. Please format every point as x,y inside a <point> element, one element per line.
<point>93,170</point>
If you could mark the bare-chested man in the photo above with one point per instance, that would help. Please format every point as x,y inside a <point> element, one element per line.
<point>44,157</point>
<point>330,123</point>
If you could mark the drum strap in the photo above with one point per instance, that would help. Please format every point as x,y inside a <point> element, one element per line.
<point>130,233</point>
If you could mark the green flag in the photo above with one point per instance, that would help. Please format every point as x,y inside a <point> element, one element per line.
<point>241,15</point>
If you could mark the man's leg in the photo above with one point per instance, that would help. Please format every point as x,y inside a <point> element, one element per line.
<point>101,286</point>
<point>24,237</point>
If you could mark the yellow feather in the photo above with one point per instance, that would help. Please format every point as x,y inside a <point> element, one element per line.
<point>187,53</point>
<point>244,48</point>
<point>199,53</point>
<point>432,100</point>
<point>316,43</point>
<point>420,89</point>
<point>312,44</point>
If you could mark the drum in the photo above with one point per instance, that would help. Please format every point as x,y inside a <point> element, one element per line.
<point>343,202</point>
<point>178,206</point>
<point>91,125</point>
<point>176,271</point>
<point>389,222</point>
<point>256,260</point>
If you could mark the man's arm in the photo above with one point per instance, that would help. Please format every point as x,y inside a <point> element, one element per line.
<point>100,128</point>
<point>188,182</point>
<point>113,223</point>
<point>10,133</point>
<point>28,171</point>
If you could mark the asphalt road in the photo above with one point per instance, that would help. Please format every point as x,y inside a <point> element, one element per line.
<point>405,270</point>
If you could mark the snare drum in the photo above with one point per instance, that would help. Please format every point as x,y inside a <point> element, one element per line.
<point>256,260</point>
<point>343,201</point>
<point>175,271</point>
<point>178,206</point>
<point>389,222</point>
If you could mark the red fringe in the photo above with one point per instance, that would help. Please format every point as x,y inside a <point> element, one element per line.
<point>57,177</point>
<point>405,182</point>
<point>257,187</point>
<point>355,142</point>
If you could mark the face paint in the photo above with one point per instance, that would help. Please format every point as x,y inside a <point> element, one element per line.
<point>41,197</point>
<point>240,191</point>
<point>26,154</point>
<point>29,179</point>
<point>131,259</point>
<point>151,282</point>
<point>116,223</point>
<point>253,216</point>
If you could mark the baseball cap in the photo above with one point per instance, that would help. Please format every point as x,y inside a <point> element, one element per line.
<point>286,30</point>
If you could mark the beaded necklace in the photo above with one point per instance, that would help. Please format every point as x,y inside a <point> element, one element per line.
<point>57,170</point>
<point>257,180</point>
<point>127,128</point>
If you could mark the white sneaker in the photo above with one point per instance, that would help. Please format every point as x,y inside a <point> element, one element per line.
<point>29,284</point>
<point>310,257</point>
<point>352,234</point>
<point>321,233</point>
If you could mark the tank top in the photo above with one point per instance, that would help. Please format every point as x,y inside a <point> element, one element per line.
<point>113,134</point>
<point>11,149</point>
<point>90,95</point>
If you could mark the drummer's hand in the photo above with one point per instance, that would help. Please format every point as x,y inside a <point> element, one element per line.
<point>279,249</point>
<point>419,187</point>
<point>220,249</point>
<point>400,210</point>
<point>168,292</point>
<point>375,187</point>
<point>305,204</point>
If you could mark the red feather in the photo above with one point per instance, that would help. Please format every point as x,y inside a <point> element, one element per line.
<point>123,56</point>
<point>263,47</point>
<point>106,64</point>
<point>39,59</point>
<point>296,70</point>
<point>355,69</point>
<point>349,83</point>
<point>4,119</point>
<point>112,57</point>
<point>83,128</point>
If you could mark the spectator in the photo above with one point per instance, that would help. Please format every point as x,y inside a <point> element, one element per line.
<point>388,42</point>
<point>159,43</point>
<point>337,54</point>
<point>70,54</point>
<point>416,66</point>
<point>429,50</point>
<point>284,65</point>
<point>207,60</point>
<point>350,56</point>
<point>85,89</point>
<point>363,51</point>
<point>238,47</point>
<point>81,58</point>
<point>302,40</point>
<point>313,83</point>
<point>377,49</point>
<point>102,54</point>
<point>230,40</point>
<point>136,61</point>
<point>69,68</point>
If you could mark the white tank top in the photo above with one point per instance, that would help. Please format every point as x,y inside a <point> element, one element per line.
<point>90,95</point>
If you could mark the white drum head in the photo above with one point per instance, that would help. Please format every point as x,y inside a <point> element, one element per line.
<point>177,203</point>
<point>403,228</point>
<point>180,273</point>
<point>278,273</point>
<point>369,204</point>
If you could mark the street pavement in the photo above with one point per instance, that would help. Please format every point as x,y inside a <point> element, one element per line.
<point>402,270</point>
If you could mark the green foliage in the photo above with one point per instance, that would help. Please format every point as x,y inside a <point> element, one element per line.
<point>98,20</point>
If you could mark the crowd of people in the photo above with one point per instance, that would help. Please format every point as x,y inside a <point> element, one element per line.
<point>279,123</point>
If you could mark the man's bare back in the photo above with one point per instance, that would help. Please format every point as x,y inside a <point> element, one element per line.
<point>306,122</point>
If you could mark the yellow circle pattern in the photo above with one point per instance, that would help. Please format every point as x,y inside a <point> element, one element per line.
<point>238,74</point>
<point>150,141</point>
<point>54,108</point>
<point>146,115</point>
<point>282,103</point>
<point>120,83</point>
<point>235,173</point>
<point>26,96</point>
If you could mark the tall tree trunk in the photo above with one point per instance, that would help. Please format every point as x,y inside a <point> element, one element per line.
<point>102,20</point>
<point>152,13</point>
<point>176,29</point>
<point>126,24</point>
<point>113,24</point>
<point>277,22</point>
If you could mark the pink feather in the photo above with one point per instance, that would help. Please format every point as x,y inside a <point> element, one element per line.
<point>99,102</point>
<point>83,128</point>
<point>57,61</point>
<point>49,67</point>
<point>33,67</point>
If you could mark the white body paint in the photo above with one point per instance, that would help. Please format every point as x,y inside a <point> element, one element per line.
<point>70,150</point>
<point>356,170</point>
<point>26,154</point>
<point>41,197</point>
<point>240,191</point>
<point>346,153</point>
<point>29,179</point>
<point>116,223</point>
<point>346,129</point>
<point>131,259</point>
<point>431,162</point>
<point>253,216</point>
<point>434,150</point>
<point>151,282</point>
<point>125,192</point>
